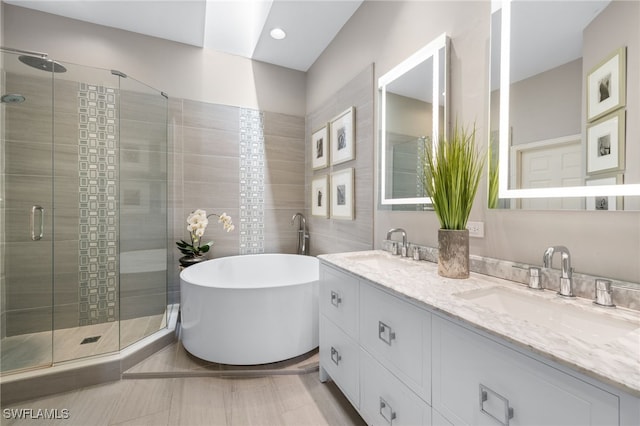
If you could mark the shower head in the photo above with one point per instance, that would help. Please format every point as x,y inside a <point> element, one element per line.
<point>12,98</point>
<point>42,63</point>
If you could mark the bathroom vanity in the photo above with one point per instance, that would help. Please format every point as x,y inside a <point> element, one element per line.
<point>409,347</point>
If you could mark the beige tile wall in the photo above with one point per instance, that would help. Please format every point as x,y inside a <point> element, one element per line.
<point>336,235</point>
<point>205,173</point>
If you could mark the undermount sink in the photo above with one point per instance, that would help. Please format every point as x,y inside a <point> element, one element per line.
<point>590,326</point>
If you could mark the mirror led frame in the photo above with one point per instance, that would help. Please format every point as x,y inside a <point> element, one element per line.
<point>503,166</point>
<point>432,51</point>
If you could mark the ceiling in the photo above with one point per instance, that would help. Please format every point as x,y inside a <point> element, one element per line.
<point>239,27</point>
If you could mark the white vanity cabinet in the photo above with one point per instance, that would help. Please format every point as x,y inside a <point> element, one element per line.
<point>401,362</point>
<point>477,381</point>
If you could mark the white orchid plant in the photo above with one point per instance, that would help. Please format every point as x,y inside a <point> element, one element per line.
<point>196,224</point>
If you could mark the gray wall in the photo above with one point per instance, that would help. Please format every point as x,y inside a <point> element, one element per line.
<point>533,118</point>
<point>388,32</point>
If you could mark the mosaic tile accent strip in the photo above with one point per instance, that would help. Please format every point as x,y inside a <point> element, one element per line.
<point>252,173</point>
<point>98,187</point>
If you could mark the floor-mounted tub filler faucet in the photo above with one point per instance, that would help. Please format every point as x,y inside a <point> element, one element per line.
<point>403,248</point>
<point>566,283</point>
<point>303,236</point>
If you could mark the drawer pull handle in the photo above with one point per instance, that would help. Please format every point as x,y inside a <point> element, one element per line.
<point>485,393</point>
<point>335,299</point>
<point>386,408</point>
<point>335,356</point>
<point>385,333</point>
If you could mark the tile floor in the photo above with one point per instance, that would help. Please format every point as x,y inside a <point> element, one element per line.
<point>196,392</point>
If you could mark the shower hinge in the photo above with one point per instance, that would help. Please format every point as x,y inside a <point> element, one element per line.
<point>118,73</point>
<point>165,95</point>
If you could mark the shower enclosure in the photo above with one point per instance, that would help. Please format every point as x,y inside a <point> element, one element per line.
<point>83,211</point>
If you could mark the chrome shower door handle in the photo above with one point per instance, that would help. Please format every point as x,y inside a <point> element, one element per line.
<point>37,229</point>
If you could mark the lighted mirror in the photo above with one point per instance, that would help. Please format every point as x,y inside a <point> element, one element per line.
<point>412,114</point>
<point>564,90</point>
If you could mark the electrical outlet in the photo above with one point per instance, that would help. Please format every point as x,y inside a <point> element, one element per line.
<point>476,229</point>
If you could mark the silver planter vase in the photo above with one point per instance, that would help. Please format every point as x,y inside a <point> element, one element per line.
<point>453,253</point>
<point>186,261</point>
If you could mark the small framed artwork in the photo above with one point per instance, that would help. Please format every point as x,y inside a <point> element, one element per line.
<point>320,148</point>
<point>343,147</point>
<point>605,202</point>
<point>342,205</point>
<point>606,85</point>
<point>320,196</point>
<point>605,144</point>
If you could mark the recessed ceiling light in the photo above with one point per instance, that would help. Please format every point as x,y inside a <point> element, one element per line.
<point>278,33</point>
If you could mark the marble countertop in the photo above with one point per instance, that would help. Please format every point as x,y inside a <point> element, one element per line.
<point>615,362</point>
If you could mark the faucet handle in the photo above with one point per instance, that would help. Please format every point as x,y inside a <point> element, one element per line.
<point>534,278</point>
<point>604,294</point>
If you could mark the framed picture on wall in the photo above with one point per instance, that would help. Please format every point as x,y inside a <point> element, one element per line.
<point>605,202</point>
<point>342,189</point>
<point>343,147</point>
<point>320,148</point>
<point>606,85</point>
<point>320,196</point>
<point>606,144</point>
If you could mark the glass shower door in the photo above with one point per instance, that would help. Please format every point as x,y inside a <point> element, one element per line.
<point>26,206</point>
<point>143,210</point>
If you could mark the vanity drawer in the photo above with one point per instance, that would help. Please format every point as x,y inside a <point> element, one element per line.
<point>398,335</point>
<point>385,401</point>
<point>477,381</point>
<point>339,357</point>
<point>339,299</point>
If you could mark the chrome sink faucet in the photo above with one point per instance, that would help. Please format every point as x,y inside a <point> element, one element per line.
<point>566,283</point>
<point>403,249</point>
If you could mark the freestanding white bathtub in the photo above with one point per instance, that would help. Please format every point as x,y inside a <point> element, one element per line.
<point>251,309</point>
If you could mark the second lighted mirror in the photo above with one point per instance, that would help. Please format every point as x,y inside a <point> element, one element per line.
<point>564,91</point>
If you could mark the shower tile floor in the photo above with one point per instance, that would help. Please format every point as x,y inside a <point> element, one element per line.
<point>34,349</point>
<point>172,387</point>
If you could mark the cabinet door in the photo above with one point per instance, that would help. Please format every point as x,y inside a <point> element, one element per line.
<point>339,299</point>
<point>397,334</point>
<point>477,381</point>
<point>339,357</point>
<point>385,400</point>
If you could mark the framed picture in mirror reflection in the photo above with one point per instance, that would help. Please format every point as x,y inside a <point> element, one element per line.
<point>604,202</point>
<point>606,85</point>
<point>606,144</point>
